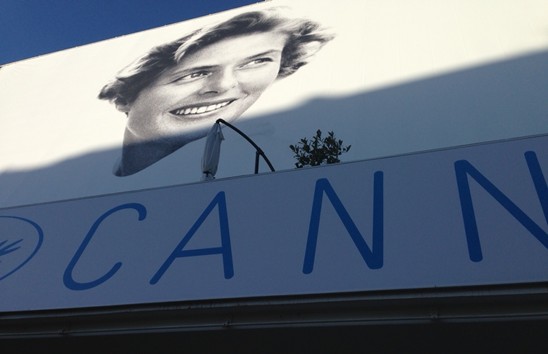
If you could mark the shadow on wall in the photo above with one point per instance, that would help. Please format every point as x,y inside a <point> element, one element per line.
<point>497,101</point>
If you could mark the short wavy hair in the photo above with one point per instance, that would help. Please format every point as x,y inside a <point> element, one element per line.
<point>305,38</point>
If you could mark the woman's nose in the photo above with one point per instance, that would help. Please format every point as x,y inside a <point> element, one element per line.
<point>220,81</point>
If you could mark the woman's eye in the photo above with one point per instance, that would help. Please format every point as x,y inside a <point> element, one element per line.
<point>256,62</point>
<point>193,76</point>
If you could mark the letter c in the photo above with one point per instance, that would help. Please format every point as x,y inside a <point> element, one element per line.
<point>68,280</point>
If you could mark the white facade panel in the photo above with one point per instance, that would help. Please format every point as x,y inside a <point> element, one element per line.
<point>468,216</point>
<point>392,77</point>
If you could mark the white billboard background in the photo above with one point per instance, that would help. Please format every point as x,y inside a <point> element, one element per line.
<point>400,77</point>
<point>112,250</point>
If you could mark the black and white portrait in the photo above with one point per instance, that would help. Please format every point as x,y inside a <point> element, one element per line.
<point>389,78</point>
<point>174,93</point>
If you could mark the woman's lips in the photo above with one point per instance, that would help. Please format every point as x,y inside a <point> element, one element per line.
<point>190,110</point>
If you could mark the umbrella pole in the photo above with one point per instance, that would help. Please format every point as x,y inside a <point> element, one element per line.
<point>256,162</point>
<point>259,151</point>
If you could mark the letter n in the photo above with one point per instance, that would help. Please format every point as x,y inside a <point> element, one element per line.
<point>224,250</point>
<point>373,256</point>
<point>463,169</point>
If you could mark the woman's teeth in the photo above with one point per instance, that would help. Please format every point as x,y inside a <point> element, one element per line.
<point>200,109</point>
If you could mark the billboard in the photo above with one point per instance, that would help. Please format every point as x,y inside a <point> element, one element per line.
<point>387,78</point>
<point>104,200</point>
<point>470,216</point>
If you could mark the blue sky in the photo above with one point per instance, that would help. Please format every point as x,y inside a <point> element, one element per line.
<point>34,27</point>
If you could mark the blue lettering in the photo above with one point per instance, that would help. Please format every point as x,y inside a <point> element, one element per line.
<point>225,249</point>
<point>67,277</point>
<point>372,257</point>
<point>463,169</point>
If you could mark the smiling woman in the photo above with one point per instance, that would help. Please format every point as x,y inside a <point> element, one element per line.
<point>175,92</point>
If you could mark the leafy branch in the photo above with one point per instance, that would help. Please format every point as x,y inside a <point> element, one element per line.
<point>318,150</point>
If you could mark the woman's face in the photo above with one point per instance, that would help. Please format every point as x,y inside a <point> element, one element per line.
<point>221,80</point>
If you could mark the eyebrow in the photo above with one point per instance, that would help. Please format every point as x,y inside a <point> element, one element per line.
<point>268,52</point>
<point>192,69</point>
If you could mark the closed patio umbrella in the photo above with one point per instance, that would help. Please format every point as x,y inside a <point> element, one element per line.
<point>212,152</point>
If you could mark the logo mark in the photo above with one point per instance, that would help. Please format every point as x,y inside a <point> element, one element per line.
<point>20,240</point>
<point>8,248</point>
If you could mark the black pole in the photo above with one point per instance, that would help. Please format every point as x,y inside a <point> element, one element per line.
<point>259,151</point>
<point>256,162</point>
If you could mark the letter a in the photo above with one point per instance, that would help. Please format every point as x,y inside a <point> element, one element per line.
<point>224,250</point>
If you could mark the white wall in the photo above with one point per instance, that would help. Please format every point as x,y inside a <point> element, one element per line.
<point>401,76</point>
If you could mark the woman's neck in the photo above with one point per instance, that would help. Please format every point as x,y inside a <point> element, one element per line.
<point>138,155</point>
